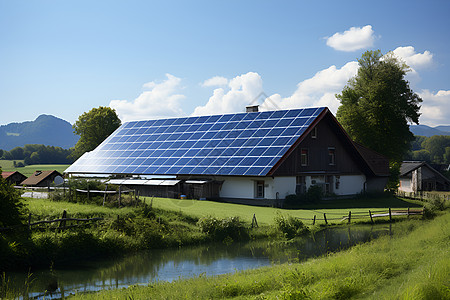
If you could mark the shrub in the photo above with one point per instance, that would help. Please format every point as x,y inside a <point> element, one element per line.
<point>290,226</point>
<point>223,229</point>
<point>12,210</point>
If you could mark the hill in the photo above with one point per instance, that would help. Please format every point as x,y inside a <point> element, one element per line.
<point>428,131</point>
<point>46,130</point>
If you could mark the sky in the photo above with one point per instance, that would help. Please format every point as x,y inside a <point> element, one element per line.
<point>157,59</point>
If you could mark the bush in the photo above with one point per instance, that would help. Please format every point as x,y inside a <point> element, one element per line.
<point>290,226</point>
<point>223,229</point>
<point>12,210</point>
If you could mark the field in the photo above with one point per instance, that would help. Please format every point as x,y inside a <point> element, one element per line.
<point>7,166</point>
<point>335,209</point>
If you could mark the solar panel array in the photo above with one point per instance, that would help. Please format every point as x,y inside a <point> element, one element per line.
<point>231,144</point>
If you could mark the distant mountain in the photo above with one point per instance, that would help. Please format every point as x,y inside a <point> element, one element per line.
<point>46,129</point>
<point>428,131</point>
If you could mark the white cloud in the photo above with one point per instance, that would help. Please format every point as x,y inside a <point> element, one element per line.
<point>215,81</point>
<point>320,89</point>
<point>435,108</point>
<point>158,101</point>
<point>412,59</point>
<point>240,92</point>
<point>355,38</point>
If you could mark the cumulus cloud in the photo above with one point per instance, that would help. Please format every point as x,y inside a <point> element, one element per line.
<point>320,89</point>
<point>412,58</point>
<point>435,107</point>
<point>215,81</point>
<point>355,38</point>
<point>158,100</point>
<point>240,92</point>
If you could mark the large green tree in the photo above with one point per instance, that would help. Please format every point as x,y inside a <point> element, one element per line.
<point>378,105</point>
<point>94,127</point>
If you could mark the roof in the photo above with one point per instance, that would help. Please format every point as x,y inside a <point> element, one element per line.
<point>248,144</point>
<point>7,174</point>
<point>409,166</point>
<point>40,176</point>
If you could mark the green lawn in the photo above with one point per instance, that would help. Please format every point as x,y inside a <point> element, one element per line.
<point>335,209</point>
<point>7,166</point>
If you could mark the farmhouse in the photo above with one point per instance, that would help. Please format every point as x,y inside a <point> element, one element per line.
<point>416,176</point>
<point>263,156</point>
<point>14,177</point>
<point>43,179</point>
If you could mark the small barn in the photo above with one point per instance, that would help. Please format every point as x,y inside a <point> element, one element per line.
<point>43,179</point>
<point>14,177</point>
<point>418,176</point>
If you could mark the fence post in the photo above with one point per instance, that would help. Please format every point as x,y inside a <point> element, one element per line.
<point>29,222</point>
<point>370,214</point>
<point>104,196</point>
<point>62,224</point>
<point>408,212</point>
<point>120,195</point>
<point>349,217</point>
<point>314,220</point>
<point>325,218</point>
<point>254,221</point>
<point>390,215</point>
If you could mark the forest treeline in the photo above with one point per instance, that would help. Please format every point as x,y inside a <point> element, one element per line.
<point>434,149</point>
<point>38,154</point>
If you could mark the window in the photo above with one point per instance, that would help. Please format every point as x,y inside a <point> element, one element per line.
<point>304,157</point>
<point>331,156</point>
<point>314,133</point>
<point>259,190</point>
<point>300,187</point>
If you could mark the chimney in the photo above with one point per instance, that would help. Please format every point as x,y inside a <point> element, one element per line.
<point>251,108</point>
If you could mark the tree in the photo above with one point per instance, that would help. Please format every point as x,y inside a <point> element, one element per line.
<point>12,210</point>
<point>378,104</point>
<point>93,128</point>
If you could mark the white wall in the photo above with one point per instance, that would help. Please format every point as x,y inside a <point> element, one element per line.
<point>405,185</point>
<point>244,187</point>
<point>350,184</point>
<point>237,187</point>
<point>282,185</point>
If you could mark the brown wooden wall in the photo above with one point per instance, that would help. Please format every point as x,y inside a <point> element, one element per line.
<point>345,162</point>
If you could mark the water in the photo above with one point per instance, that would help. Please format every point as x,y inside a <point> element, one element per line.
<point>171,264</point>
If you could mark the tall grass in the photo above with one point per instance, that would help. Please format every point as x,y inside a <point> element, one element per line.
<point>414,263</point>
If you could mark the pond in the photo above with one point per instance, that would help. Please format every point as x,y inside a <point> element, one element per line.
<point>171,264</point>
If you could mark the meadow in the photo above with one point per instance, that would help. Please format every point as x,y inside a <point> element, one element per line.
<point>8,166</point>
<point>335,209</point>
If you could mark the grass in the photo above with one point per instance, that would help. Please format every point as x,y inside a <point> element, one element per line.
<point>335,209</point>
<point>53,209</point>
<point>7,166</point>
<point>414,263</point>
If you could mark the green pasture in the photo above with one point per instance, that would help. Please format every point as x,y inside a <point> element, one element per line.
<point>335,210</point>
<point>8,166</point>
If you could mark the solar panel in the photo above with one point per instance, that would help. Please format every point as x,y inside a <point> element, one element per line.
<point>231,144</point>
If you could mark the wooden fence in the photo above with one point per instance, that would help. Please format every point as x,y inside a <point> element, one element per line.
<point>425,196</point>
<point>61,223</point>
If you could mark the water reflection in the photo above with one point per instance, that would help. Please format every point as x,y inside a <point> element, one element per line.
<point>171,264</point>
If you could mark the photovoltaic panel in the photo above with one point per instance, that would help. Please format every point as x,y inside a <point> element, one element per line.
<point>232,144</point>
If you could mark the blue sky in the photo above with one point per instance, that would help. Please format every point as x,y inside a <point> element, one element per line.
<point>151,59</point>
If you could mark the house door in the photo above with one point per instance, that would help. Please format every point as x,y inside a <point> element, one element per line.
<point>259,189</point>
